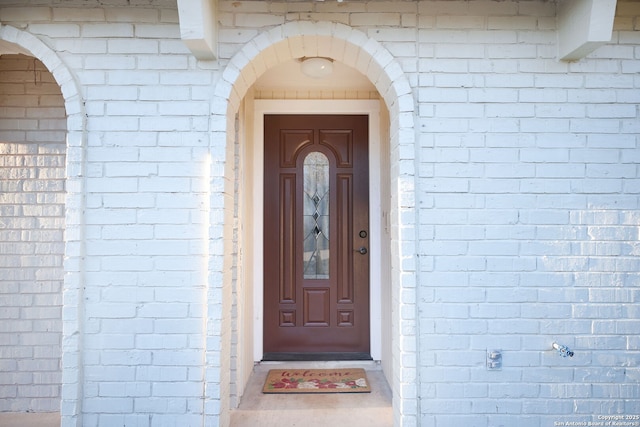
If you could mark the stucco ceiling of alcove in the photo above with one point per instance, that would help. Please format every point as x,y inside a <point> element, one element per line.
<point>287,76</point>
<point>8,48</point>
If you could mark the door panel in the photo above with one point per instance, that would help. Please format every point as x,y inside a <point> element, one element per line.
<point>316,297</point>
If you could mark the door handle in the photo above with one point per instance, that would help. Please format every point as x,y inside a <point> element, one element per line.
<point>362,250</point>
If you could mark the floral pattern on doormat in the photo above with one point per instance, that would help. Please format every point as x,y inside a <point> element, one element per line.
<point>316,381</point>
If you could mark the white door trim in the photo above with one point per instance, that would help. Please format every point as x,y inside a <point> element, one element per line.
<point>256,205</point>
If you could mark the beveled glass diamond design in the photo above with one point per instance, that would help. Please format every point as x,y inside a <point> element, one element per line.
<point>316,216</point>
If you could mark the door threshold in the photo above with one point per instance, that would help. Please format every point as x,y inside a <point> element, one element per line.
<point>315,357</point>
<point>367,365</point>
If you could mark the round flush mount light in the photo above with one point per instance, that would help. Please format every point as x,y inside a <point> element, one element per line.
<point>316,67</point>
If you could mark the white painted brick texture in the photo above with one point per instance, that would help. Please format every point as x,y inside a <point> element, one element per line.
<point>146,218</point>
<point>528,206</point>
<point>527,196</point>
<point>146,224</point>
<point>518,152</point>
<point>32,161</point>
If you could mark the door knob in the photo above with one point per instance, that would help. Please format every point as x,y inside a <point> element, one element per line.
<point>362,250</point>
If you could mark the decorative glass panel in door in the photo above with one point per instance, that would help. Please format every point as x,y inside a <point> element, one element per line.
<point>316,216</point>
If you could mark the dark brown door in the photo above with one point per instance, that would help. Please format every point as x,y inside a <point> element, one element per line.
<point>316,238</point>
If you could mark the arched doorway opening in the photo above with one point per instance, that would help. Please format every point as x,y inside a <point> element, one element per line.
<point>241,91</point>
<point>33,151</point>
<point>41,174</point>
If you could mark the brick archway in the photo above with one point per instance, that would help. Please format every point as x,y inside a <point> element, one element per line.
<point>352,47</point>
<point>25,42</point>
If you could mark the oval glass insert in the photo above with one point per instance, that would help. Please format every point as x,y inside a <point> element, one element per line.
<point>316,216</point>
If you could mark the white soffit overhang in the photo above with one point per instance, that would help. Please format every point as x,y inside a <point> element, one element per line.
<point>198,28</point>
<point>583,26</point>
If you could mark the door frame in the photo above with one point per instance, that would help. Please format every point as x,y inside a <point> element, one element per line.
<point>256,170</point>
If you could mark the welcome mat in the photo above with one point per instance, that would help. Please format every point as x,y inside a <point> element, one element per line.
<point>316,381</point>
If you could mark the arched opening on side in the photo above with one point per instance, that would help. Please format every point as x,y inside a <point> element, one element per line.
<point>250,80</point>
<point>41,138</point>
<point>32,184</point>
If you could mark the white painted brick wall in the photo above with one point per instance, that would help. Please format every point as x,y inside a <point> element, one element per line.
<point>509,155</point>
<point>146,223</point>
<point>32,162</point>
<point>145,219</point>
<point>528,183</point>
<point>543,253</point>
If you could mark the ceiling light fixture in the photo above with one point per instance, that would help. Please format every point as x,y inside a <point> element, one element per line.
<point>317,67</point>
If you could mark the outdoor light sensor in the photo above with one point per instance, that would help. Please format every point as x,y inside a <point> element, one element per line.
<point>317,67</point>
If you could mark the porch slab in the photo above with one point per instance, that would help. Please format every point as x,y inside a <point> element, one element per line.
<point>315,410</point>
<point>24,419</point>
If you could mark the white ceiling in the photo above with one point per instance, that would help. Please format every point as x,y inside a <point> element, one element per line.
<point>287,76</point>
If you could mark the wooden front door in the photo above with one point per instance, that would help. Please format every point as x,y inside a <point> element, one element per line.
<point>316,236</point>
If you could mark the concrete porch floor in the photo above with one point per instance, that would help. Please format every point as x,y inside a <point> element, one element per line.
<point>283,410</point>
<point>23,419</point>
<point>315,410</point>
